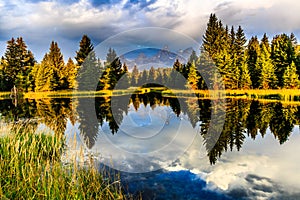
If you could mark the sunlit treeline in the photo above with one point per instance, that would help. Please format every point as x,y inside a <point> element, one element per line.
<point>226,57</point>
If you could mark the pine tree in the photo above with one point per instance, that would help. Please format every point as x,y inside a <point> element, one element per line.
<point>193,77</point>
<point>166,77</point>
<point>245,79</point>
<point>115,71</point>
<point>56,62</point>
<point>85,47</point>
<point>290,77</point>
<point>193,57</point>
<point>159,77</point>
<point>179,73</point>
<point>51,74</point>
<point>152,75</point>
<point>177,65</point>
<point>71,68</point>
<point>111,55</point>
<point>134,76</point>
<point>231,74</point>
<point>44,75</point>
<point>297,58</point>
<point>265,41</point>
<point>2,75</point>
<point>225,62</point>
<point>143,79</point>
<point>252,54</point>
<point>268,79</point>
<point>212,36</point>
<point>293,39</point>
<point>282,54</point>
<point>124,81</point>
<point>104,83</point>
<point>89,73</point>
<point>88,70</point>
<point>238,62</point>
<point>207,69</point>
<point>232,40</point>
<point>17,64</point>
<point>240,42</point>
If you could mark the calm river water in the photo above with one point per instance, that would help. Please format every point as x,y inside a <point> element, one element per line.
<point>178,148</point>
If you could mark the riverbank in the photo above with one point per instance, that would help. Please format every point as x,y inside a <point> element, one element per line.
<point>280,94</point>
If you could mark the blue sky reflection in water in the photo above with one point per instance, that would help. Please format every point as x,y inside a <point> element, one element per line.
<point>262,168</point>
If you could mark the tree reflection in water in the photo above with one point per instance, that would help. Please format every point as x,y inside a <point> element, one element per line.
<point>244,118</point>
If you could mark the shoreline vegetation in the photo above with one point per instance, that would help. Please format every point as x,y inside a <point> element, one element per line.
<point>275,94</point>
<point>31,167</point>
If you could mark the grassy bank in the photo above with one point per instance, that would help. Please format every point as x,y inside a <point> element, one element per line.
<point>31,168</point>
<point>279,94</point>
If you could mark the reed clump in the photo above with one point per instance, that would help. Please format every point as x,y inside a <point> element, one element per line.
<point>31,168</point>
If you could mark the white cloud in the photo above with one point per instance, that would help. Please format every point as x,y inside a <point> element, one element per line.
<point>273,166</point>
<point>43,21</point>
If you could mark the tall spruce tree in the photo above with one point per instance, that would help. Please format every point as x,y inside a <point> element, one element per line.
<point>113,69</point>
<point>89,67</point>
<point>17,63</point>
<point>240,41</point>
<point>211,38</point>
<point>52,74</point>
<point>231,74</point>
<point>226,62</point>
<point>218,48</point>
<point>282,54</point>
<point>85,47</point>
<point>252,54</point>
<point>56,61</point>
<point>89,73</point>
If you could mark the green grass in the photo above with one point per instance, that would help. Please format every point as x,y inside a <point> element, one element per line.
<point>282,94</point>
<point>31,168</point>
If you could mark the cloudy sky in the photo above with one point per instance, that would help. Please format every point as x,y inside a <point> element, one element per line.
<point>39,22</point>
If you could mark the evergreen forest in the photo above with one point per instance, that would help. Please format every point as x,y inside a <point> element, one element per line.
<point>257,63</point>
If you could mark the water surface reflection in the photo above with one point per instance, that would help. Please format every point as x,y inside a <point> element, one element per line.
<point>254,157</point>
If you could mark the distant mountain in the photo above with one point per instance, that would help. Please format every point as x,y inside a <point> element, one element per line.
<point>148,57</point>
